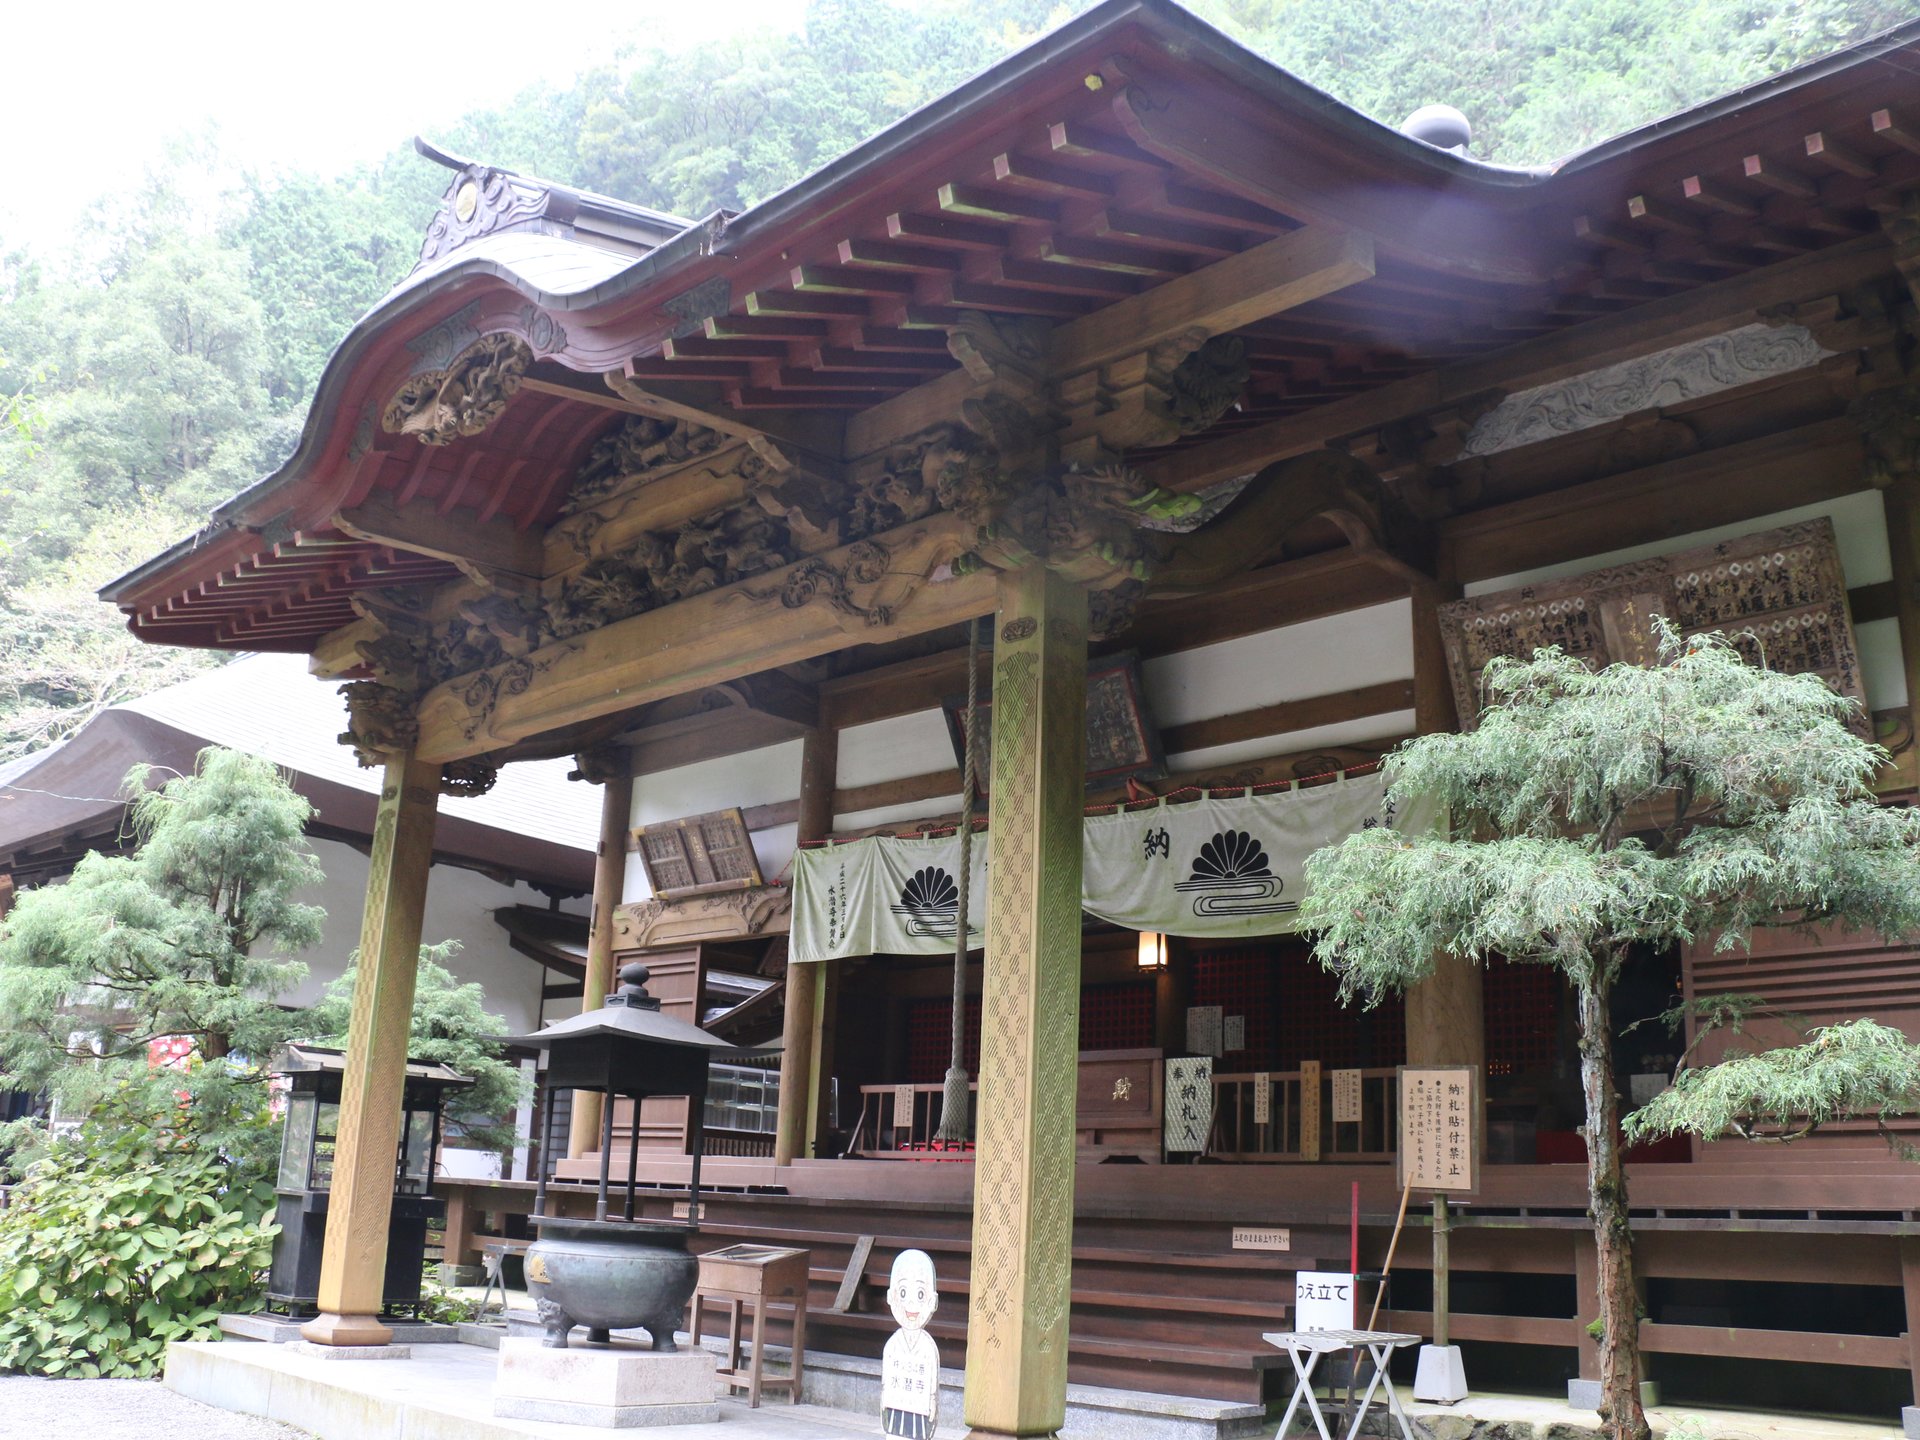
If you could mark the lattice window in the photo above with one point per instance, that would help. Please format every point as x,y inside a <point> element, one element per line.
<point>1240,981</point>
<point>1112,1017</point>
<point>1304,1019</point>
<point>1117,1017</point>
<point>930,1039</point>
<point>1522,1005</point>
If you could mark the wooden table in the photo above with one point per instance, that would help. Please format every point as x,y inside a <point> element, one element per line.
<point>742,1275</point>
<point>1312,1344</point>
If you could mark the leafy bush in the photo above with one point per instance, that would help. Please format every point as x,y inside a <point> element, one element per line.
<point>125,1235</point>
<point>441,1306</point>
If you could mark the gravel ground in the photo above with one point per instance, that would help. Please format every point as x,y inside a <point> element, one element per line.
<point>35,1409</point>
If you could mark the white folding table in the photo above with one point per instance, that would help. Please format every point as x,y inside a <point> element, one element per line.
<point>1305,1347</point>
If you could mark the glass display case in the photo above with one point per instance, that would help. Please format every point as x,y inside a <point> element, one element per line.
<point>312,1076</point>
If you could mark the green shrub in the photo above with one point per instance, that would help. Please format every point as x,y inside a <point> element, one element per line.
<point>125,1235</point>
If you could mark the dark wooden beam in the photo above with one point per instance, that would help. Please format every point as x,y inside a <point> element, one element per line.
<point>1289,716</point>
<point>1697,492</point>
<point>1643,330</point>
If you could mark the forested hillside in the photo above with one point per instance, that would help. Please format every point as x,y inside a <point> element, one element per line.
<point>163,358</point>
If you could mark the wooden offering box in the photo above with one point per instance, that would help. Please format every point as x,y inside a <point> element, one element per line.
<point>742,1275</point>
<point>1119,1104</point>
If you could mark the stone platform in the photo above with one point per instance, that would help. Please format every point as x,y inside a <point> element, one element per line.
<point>620,1386</point>
<point>446,1392</point>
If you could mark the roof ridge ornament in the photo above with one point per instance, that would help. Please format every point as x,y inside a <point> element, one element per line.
<point>481,200</point>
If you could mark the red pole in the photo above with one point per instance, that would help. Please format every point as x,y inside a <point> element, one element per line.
<point>1354,1249</point>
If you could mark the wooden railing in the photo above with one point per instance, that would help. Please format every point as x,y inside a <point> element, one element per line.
<point>878,1137</point>
<point>1237,1135</point>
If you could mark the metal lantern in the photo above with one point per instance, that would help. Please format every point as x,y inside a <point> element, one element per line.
<point>619,1274</point>
<point>313,1076</point>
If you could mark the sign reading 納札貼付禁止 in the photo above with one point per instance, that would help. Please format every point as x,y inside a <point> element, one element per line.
<point>1440,1128</point>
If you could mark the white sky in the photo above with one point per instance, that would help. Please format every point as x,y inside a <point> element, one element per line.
<point>94,89</point>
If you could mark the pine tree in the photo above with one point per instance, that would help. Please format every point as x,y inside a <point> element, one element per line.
<point>189,936</point>
<point>1638,806</point>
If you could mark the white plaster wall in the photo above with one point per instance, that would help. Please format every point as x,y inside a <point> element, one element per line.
<point>758,777</point>
<point>1859,530</point>
<point>460,906</point>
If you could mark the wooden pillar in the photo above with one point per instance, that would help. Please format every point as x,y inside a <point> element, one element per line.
<point>1902,501</point>
<point>353,1264</point>
<point>1023,1172</point>
<point>1910,1286</point>
<point>609,887</point>
<point>1446,1024</point>
<point>797,1123</point>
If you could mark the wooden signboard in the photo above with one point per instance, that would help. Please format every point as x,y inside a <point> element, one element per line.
<point>1309,1109</point>
<point>1781,595</point>
<point>699,854</point>
<point>1262,1098</point>
<point>1261,1237</point>
<point>1440,1131</point>
<point>1122,740</point>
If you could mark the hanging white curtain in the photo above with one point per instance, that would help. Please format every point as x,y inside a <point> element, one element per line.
<point>884,896</point>
<point>1207,869</point>
<point>1219,869</point>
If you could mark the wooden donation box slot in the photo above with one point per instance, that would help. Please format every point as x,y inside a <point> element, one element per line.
<point>742,1275</point>
<point>1119,1104</point>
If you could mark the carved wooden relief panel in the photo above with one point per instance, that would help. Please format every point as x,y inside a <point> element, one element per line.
<point>1780,593</point>
<point>699,854</point>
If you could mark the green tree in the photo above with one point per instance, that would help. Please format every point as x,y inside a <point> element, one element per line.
<point>65,656</point>
<point>1592,813</point>
<point>451,1024</point>
<point>187,936</point>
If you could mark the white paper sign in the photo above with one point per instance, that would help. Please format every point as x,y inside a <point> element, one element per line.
<point>1324,1300</point>
<point>1189,1106</point>
<point>1436,1128</point>
<point>1204,1024</point>
<point>903,1107</point>
<point>1262,1098</point>
<point>1346,1097</point>
<point>1234,1035</point>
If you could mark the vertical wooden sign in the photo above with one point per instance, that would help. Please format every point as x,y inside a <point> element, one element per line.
<point>1262,1098</point>
<point>903,1107</point>
<point>1309,1109</point>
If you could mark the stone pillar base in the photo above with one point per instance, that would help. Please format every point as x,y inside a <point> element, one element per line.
<point>1003,1435</point>
<point>1441,1376</point>
<point>356,1330</point>
<point>618,1386</point>
<point>1910,1422</point>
